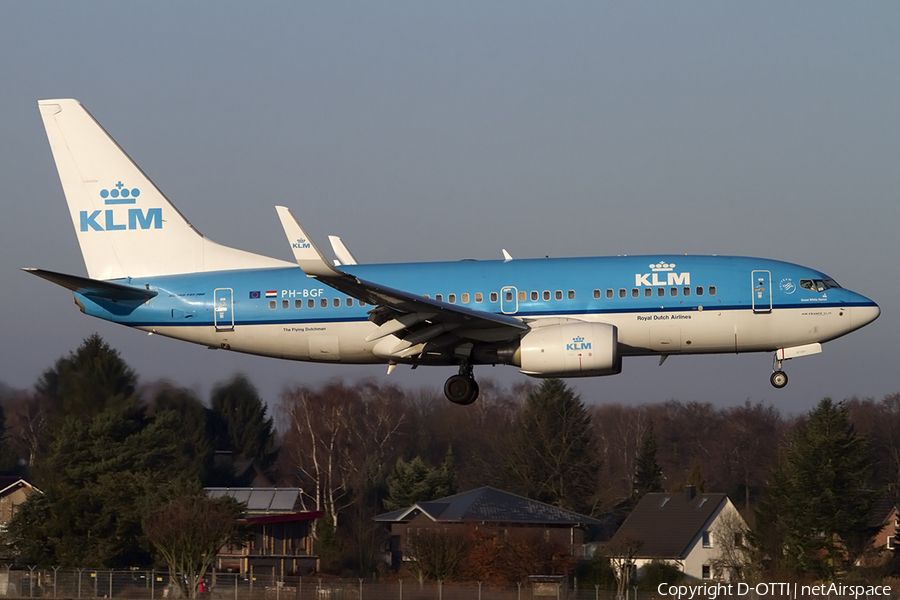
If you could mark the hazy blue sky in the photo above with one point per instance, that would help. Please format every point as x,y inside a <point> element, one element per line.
<point>433,131</point>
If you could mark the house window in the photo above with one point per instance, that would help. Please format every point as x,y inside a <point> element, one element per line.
<point>706,572</point>
<point>707,542</point>
<point>738,539</point>
<point>891,542</point>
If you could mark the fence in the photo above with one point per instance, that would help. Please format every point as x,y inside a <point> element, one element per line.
<point>70,584</point>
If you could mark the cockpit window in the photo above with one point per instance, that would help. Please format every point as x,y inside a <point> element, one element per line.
<point>818,285</point>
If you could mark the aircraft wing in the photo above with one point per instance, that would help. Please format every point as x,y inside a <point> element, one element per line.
<point>412,318</point>
<point>94,288</point>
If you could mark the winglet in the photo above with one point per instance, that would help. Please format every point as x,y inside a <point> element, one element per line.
<point>506,256</point>
<point>308,256</point>
<point>340,250</point>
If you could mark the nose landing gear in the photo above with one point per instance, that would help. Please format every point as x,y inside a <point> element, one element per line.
<point>462,388</point>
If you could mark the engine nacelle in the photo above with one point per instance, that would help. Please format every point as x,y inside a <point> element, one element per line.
<point>569,348</point>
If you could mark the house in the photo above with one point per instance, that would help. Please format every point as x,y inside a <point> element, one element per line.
<point>13,492</point>
<point>703,534</point>
<point>885,545</point>
<point>280,543</point>
<point>486,509</point>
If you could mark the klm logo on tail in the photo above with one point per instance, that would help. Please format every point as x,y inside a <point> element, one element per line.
<point>121,219</point>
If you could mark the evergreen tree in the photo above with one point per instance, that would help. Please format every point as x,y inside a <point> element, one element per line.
<point>648,476</point>
<point>100,478</point>
<point>90,380</point>
<point>240,423</point>
<point>195,442</point>
<point>552,455</point>
<point>417,481</point>
<point>819,501</point>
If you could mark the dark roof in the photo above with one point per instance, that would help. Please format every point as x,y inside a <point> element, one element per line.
<point>261,500</point>
<point>666,524</point>
<point>488,505</point>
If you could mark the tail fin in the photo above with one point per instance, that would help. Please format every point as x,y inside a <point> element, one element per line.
<point>125,226</point>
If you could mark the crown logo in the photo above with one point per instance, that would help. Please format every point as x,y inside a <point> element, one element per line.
<point>662,267</point>
<point>578,339</point>
<point>119,194</point>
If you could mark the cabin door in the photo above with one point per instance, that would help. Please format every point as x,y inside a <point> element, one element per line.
<point>762,291</point>
<point>509,300</point>
<point>223,309</point>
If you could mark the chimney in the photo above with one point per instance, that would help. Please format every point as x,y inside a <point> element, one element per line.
<point>690,492</point>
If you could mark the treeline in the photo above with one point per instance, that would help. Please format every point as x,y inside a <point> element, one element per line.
<point>106,452</point>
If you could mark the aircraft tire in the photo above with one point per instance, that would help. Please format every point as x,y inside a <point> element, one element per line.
<point>460,389</point>
<point>779,379</point>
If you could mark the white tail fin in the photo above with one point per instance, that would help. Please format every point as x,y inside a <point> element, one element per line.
<point>125,226</point>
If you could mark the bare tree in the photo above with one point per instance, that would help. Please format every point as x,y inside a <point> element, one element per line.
<point>730,539</point>
<point>188,532</point>
<point>621,557</point>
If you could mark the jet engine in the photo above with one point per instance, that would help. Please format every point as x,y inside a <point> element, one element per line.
<point>566,348</point>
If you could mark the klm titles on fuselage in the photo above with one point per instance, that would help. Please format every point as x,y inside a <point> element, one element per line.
<point>120,220</point>
<point>659,269</point>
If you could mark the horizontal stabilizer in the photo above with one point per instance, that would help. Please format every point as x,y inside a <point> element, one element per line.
<point>93,288</point>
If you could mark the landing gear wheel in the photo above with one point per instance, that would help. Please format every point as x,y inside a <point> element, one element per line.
<point>461,389</point>
<point>779,379</point>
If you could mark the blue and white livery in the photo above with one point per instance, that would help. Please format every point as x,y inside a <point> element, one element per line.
<point>148,268</point>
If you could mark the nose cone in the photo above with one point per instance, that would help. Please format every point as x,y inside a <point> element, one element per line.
<point>860,316</point>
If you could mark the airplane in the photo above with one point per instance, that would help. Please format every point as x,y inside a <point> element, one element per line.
<point>150,269</point>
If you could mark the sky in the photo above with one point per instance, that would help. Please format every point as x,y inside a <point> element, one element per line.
<point>422,131</point>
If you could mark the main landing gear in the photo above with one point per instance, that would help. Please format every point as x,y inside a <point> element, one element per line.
<point>462,388</point>
<point>779,378</point>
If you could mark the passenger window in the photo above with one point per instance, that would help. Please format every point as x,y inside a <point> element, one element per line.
<point>660,292</point>
<point>494,296</point>
<point>546,295</point>
<point>323,302</point>
<point>622,292</point>
<point>361,303</point>
<point>534,296</point>
<point>451,298</point>
<point>439,297</point>
<point>310,303</point>
<point>674,291</point>
<point>648,292</point>
<point>635,293</point>
<point>427,296</point>
<point>523,296</point>
<point>336,302</point>
<point>298,303</point>
<point>272,304</point>
<point>285,303</point>
<point>687,291</point>
<point>571,294</point>
<point>596,294</point>
<point>609,293</point>
<point>699,290</point>
<point>349,301</point>
<point>559,294</point>
<point>712,290</point>
<point>478,297</point>
<point>465,298</point>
